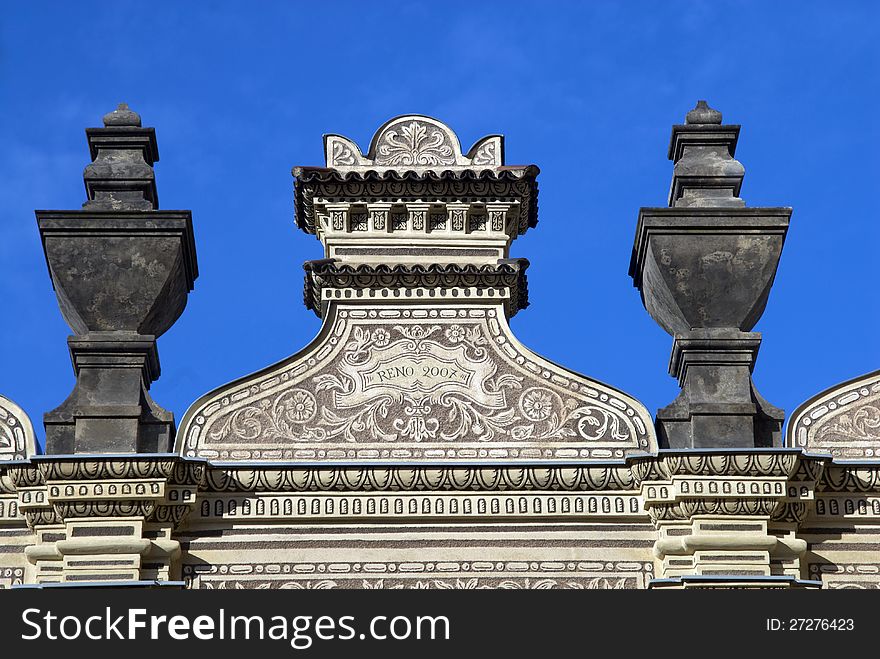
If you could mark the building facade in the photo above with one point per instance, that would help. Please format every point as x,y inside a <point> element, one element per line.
<point>416,443</point>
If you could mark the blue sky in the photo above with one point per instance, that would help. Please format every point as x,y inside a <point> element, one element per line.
<point>241,92</point>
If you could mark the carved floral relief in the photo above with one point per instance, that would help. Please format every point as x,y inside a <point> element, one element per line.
<point>844,420</point>
<point>414,143</point>
<point>468,575</point>
<point>444,383</point>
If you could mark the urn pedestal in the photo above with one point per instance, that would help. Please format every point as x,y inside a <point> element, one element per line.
<point>122,272</point>
<point>704,268</point>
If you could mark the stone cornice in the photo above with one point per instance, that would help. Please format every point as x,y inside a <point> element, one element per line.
<point>419,478</point>
<point>52,489</point>
<point>518,181</point>
<point>329,273</point>
<point>784,486</point>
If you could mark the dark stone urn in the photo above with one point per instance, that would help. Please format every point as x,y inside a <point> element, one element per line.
<point>122,270</point>
<point>704,267</point>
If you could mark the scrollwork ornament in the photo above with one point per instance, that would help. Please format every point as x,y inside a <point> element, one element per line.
<point>486,154</point>
<point>414,144</point>
<point>550,417</point>
<point>454,379</point>
<point>861,424</point>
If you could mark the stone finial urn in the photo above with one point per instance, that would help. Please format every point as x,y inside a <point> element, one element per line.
<point>704,267</point>
<point>122,270</point>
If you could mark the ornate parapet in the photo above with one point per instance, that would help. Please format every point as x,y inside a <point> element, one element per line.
<point>843,422</point>
<point>17,441</point>
<point>17,444</point>
<point>408,382</point>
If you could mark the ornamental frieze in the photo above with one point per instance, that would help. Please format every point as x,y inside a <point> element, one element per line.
<point>428,574</point>
<point>403,478</point>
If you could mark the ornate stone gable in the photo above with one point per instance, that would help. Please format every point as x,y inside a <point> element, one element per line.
<point>405,383</point>
<point>843,420</point>
<point>416,360</point>
<point>16,432</point>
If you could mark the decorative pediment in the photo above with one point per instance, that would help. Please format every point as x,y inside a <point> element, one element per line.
<point>416,361</point>
<point>448,382</point>
<point>16,432</point>
<point>413,142</point>
<point>843,420</point>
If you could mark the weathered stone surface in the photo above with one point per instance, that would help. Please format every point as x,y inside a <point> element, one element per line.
<point>705,172</point>
<point>707,268</point>
<point>121,176</point>
<point>843,420</point>
<point>718,405</point>
<point>122,271</point>
<point>704,268</point>
<point>110,409</point>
